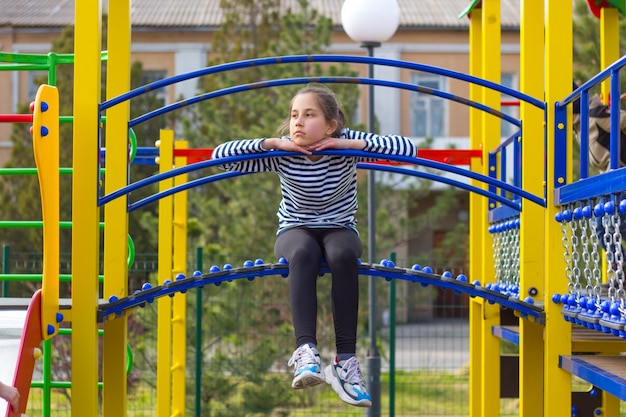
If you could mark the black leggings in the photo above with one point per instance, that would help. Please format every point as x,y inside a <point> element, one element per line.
<point>304,248</point>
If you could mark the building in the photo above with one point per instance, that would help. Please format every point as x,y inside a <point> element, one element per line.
<point>173,37</point>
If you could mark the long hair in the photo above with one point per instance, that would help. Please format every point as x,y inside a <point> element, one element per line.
<point>329,104</point>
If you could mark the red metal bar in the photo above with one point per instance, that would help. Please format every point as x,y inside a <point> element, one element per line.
<point>446,156</point>
<point>16,118</point>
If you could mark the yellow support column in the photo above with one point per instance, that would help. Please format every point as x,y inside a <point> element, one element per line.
<point>179,324</point>
<point>609,53</point>
<point>164,321</point>
<point>557,333</point>
<point>491,64</point>
<point>532,253</point>
<point>85,211</point>
<point>609,42</point>
<point>115,215</point>
<point>477,216</point>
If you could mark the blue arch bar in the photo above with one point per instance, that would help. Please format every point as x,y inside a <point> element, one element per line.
<point>257,62</point>
<point>117,307</point>
<point>273,154</point>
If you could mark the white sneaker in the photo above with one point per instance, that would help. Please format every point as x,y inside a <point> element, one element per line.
<point>347,381</point>
<point>308,366</point>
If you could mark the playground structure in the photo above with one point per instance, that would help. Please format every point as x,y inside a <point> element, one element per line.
<point>532,281</point>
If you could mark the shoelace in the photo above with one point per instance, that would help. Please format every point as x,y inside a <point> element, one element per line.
<point>304,354</point>
<point>353,371</point>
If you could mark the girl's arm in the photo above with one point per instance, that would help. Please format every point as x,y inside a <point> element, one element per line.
<point>238,147</point>
<point>387,144</point>
<point>11,394</point>
<point>243,147</point>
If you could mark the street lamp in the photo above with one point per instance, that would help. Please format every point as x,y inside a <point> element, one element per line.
<point>371,22</point>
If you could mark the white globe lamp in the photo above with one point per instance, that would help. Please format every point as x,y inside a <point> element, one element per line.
<point>370,20</point>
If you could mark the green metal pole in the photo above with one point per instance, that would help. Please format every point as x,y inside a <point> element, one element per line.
<point>199,338</point>
<point>5,267</point>
<point>46,376</point>
<point>392,342</point>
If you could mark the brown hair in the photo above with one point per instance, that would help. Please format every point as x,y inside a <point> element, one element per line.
<point>329,104</point>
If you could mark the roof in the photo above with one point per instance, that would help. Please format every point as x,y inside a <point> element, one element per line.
<point>207,13</point>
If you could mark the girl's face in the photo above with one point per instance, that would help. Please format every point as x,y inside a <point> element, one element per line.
<point>307,124</point>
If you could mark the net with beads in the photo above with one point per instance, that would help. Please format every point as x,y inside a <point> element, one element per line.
<point>585,226</point>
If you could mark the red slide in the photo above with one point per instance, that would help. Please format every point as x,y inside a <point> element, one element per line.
<point>29,351</point>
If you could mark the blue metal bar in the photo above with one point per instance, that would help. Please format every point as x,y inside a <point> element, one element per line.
<point>273,154</point>
<point>325,80</point>
<point>258,62</point>
<point>387,168</point>
<point>610,182</point>
<point>595,80</point>
<point>517,160</point>
<point>502,213</point>
<point>148,294</point>
<point>584,134</point>
<point>615,110</point>
<point>503,154</point>
<point>511,139</point>
<point>444,180</point>
<point>191,184</point>
<point>560,146</point>
<point>492,164</point>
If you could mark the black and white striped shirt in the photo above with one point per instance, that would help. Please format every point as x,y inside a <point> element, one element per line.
<point>318,193</point>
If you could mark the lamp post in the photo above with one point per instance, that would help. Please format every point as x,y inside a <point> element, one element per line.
<point>371,22</point>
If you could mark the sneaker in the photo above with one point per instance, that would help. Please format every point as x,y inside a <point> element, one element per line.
<point>347,381</point>
<point>308,366</point>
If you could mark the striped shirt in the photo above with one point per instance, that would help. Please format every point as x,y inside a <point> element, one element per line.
<point>320,193</point>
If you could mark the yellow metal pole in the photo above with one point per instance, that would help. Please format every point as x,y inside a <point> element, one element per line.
<point>85,211</point>
<point>609,53</point>
<point>115,214</point>
<point>609,43</point>
<point>164,321</point>
<point>476,216</point>
<point>491,64</point>
<point>179,322</point>
<point>532,252</point>
<point>557,333</point>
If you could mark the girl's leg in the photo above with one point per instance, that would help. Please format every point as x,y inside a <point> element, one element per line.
<point>342,248</point>
<point>301,248</point>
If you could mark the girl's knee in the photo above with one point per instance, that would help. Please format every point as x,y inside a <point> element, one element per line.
<point>344,256</point>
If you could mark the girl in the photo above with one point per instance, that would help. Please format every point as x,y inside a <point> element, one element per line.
<point>316,219</point>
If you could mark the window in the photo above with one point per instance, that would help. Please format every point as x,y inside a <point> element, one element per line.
<point>150,76</point>
<point>506,128</point>
<point>428,112</point>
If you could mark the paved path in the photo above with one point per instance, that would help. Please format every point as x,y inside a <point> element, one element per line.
<point>438,345</point>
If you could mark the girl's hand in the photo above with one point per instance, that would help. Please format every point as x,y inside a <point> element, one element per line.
<point>337,143</point>
<point>11,394</point>
<point>284,145</point>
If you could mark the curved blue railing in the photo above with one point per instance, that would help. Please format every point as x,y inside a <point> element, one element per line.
<point>587,187</point>
<point>273,154</point>
<point>325,80</point>
<point>290,59</point>
<point>511,204</point>
<point>252,270</point>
